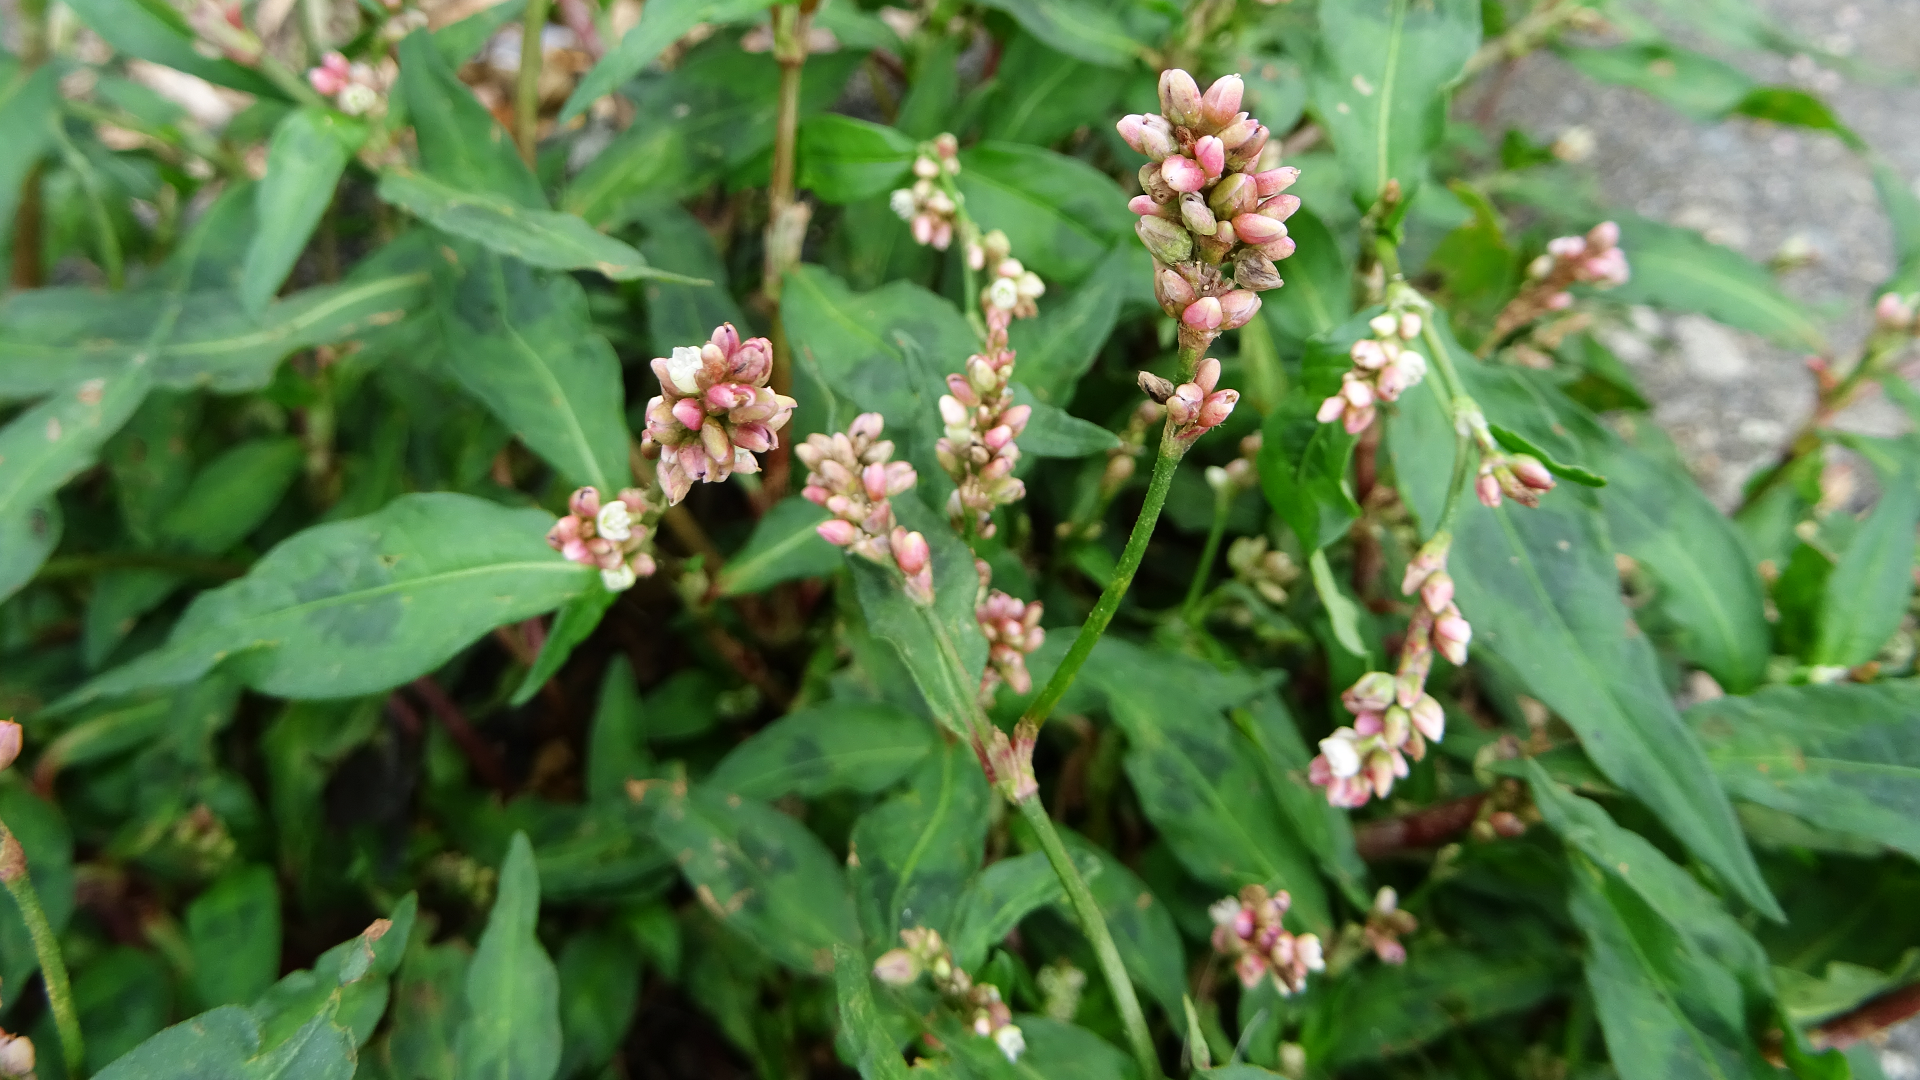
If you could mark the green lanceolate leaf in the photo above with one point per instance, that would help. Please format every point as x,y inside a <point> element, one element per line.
<point>1054,432</point>
<point>1707,583</point>
<point>995,901</point>
<point>1543,594</point>
<point>309,151</point>
<point>1866,595</point>
<point>599,991</point>
<point>1061,214</point>
<point>762,874</point>
<point>1059,345</point>
<point>526,347</point>
<point>1673,976</point>
<point>660,27</point>
<point>838,746</point>
<point>359,606</point>
<point>1079,28</point>
<point>784,546</point>
<point>1520,444</point>
<point>1198,781</point>
<point>617,744</point>
<point>1676,269</point>
<point>460,144</point>
<point>875,1053</point>
<point>234,931</point>
<point>844,160</point>
<point>41,448</point>
<point>1041,96</point>
<point>1303,462</point>
<point>28,99</point>
<point>538,237</point>
<point>1317,295</point>
<point>1843,757</point>
<point>158,33</point>
<point>1383,1010</point>
<point>912,854</point>
<point>512,1025</point>
<point>572,624</point>
<point>212,1046</point>
<point>679,313</point>
<point>1380,86</point>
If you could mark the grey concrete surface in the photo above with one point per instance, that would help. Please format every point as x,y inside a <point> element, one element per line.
<point>1728,398</point>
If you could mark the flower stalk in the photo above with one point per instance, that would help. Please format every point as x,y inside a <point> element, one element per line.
<point>526,84</point>
<point>46,947</point>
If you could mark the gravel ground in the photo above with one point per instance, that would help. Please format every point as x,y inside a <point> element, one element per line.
<point>1728,398</point>
<point>1731,399</point>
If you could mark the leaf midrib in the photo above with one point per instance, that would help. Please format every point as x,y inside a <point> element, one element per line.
<point>557,393</point>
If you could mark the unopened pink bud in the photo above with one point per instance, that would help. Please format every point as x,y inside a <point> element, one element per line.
<point>1604,235</point>
<point>688,411</point>
<point>1179,97</point>
<point>1016,418</point>
<point>1892,313</point>
<point>1221,103</point>
<point>1183,174</point>
<point>1451,633</point>
<point>1429,718</point>
<point>1282,248</point>
<point>897,967</point>
<point>1206,375</point>
<point>1280,207</point>
<point>1487,488</point>
<point>1330,409</point>
<point>867,426</point>
<point>1130,127</point>
<point>1529,471</point>
<point>1203,314</point>
<point>1437,591</point>
<point>910,551</point>
<point>837,532</point>
<point>1274,181</point>
<point>11,736</point>
<point>1238,308</point>
<point>1139,204</point>
<point>1211,153</point>
<point>1257,229</point>
<point>585,503</point>
<point>873,478</point>
<point>1217,408</point>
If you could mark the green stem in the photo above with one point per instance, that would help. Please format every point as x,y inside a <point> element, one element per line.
<point>1460,407</point>
<point>1880,350</point>
<point>526,84</point>
<point>1102,614</point>
<point>1095,926</point>
<point>53,967</point>
<point>1222,503</point>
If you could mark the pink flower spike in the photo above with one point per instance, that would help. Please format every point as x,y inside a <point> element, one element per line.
<point>1183,174</point>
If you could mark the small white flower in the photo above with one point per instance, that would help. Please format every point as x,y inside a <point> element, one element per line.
<point>614,521</point>
<point>1306,947</point>
<point>1224,912</point>
<point>1031,287</point>
<point>357,99</point>
<point>1342,758</point>
<point>619,580</point>
<point>903,203</point>
<point>1003,294</point>
<point>684,368</point>
<point>1011,1042</point>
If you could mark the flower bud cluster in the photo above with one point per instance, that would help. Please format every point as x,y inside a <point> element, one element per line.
<point>927,207</point>
<point>355,88</point>
<point>1393,715</point>
<point>1594,259</point>
<point>978,450</point>
<point>853,478</point>
<point>1011,290</point>
<point>714,411</point>
<point>1265,569</point>
<point>1012,629</point>
<point>1894,314</point>
<point>1520,477</point>
<point>1196,407</point>
<point>1384,367</point>
<point>612,534</point>
<point>1247,930</point>
<point>1212,218</point>
<point>1387,924</point>
<point>923,952</point>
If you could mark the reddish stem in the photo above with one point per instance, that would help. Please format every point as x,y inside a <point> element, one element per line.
<point>1428,828</point>
<point>486,763</point>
